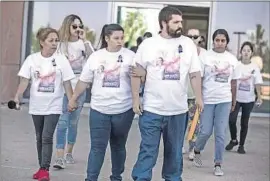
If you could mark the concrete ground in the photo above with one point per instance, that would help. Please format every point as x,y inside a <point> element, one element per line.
<point>19,159</point>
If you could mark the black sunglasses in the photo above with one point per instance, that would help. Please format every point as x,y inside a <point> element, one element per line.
<point>193,37</point>
<point>76,26</point>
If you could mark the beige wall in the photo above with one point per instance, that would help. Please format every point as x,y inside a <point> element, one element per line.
<point>11,40</point>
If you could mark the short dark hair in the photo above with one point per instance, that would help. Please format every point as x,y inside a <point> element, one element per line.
<point>147,34</point>
<point>166,13</point>
<point>221,32</point>
<point>247,43</point>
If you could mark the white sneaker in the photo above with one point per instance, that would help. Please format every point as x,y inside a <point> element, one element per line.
<point>183,150</point>
<point>69,158</point>
<point>218,171</point>
<point>191,155</point>
<point>60,163</point>
<point>197,160</point>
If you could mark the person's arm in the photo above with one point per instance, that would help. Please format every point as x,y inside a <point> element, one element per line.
<point>143,78</point>
<point>24,82</point>
<point>258,83</point>
<point>68,89</point>
<point>196,83</point>
<point>88,49</point>
<point>258,90</point>
<point>68,75</point>
<point>233,90</point>
<point>195,75</point>
<point>25,76</point>
<point>139,76</point>
<point>236,75</point>
<point>79,89</point>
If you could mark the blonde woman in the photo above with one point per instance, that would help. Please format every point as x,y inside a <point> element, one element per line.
<point>50,74</point>
<point>76,48</point>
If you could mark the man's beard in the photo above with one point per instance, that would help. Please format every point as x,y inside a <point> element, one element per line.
<point>174,33</point>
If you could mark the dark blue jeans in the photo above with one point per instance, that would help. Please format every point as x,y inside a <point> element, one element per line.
<point>105,128</point>
<point>173,129</point>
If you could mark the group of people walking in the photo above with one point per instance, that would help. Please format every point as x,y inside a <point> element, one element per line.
<point>178,77</point>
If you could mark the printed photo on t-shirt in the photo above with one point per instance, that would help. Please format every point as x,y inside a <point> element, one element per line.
<point>111,75</point>
<point>170,66</point>
<point>76,62</point>
<point>245,82</point>
<point>221,74</point>
<point>47,83</point>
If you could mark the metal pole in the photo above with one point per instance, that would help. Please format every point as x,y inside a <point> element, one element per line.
<point>238,33</point>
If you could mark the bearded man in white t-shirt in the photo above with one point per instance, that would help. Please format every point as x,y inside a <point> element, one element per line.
<point>164,105</point>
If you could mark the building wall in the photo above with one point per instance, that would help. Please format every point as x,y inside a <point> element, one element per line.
<point>11,41</point>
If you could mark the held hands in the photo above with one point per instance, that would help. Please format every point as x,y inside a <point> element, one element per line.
<point>72,105</point>
<point>137,106</point>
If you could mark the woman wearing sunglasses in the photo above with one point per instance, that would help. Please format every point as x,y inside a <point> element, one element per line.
<point>194,34</point>
<point>76,48</point>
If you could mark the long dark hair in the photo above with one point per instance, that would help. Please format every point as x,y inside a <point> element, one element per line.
<point>107,30</point>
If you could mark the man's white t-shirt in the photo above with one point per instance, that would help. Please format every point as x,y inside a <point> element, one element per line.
<point>250,76</point>
<point>218,71</point>
<point>76,55</point>
<point>168,63</point>
<point>109,73</point>
<point>47,76</point>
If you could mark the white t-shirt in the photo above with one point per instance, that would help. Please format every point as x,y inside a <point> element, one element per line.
<point>168,63</point>
<point>76,56</point>
<point>47,76</point>
<point>109,73</point>
<point>218,71</point>
<point>250,76</point>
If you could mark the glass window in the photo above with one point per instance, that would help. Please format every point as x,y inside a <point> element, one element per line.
<point>136,21</point>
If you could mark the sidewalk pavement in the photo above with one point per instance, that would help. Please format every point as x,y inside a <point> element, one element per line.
<point>19,159</point>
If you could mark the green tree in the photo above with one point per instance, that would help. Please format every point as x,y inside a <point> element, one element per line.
<point>134,26</point>
<point>261,47</point>
<point>34,43</point>
<point>90,35</point>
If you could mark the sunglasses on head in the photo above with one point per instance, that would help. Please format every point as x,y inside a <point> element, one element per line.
<point>76,27</point>
<point>193,37</point>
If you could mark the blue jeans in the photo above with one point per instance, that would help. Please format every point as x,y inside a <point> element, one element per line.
<point>68,123</point>
<point>104,128</point>
<point>214,116</point>
<point>173,129</point>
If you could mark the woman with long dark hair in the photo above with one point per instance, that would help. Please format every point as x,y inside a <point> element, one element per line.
<point>111,112</point>
<point>251,79</point>
<point>219,92</point>
<point>74,45</point>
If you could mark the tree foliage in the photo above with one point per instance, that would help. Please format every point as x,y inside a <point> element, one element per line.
<point>261,47</point>
<point>134,27</point>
